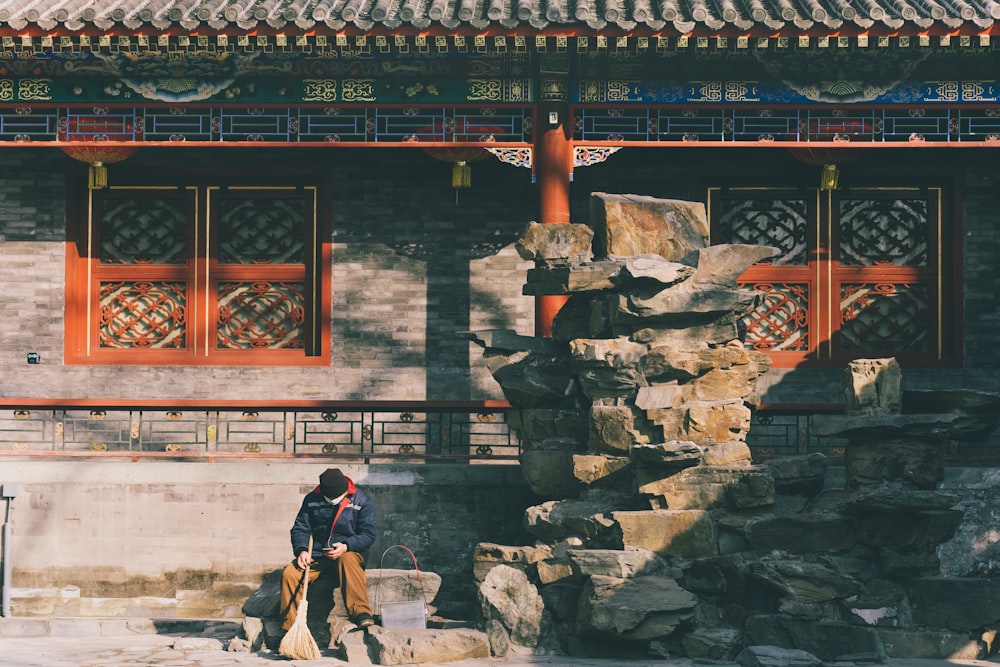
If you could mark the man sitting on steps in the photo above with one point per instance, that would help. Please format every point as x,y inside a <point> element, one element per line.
<point>341,520</point>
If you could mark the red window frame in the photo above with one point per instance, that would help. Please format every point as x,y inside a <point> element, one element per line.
<point>200,274</point>
<point>825,276</point>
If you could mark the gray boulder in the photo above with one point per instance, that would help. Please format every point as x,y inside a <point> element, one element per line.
<point>640,608</point>
<point>508,597</point>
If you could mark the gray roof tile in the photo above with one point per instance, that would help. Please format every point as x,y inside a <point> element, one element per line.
<point>684,16</point>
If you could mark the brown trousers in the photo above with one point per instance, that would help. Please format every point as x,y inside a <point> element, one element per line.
<point>350,577</point>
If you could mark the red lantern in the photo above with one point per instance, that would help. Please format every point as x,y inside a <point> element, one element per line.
<point>97,156</point>
<point>460,156</point>
<point>838,131</point>
<point>97,130</point>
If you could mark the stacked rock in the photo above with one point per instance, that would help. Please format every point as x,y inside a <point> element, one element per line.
<point>659,534</point>
<point>633,417</point>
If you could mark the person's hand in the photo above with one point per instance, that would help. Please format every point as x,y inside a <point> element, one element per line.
<point>336,551</point>
<point>303,560</point>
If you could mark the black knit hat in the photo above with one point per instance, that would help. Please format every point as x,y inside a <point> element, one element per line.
<point>332,483</point>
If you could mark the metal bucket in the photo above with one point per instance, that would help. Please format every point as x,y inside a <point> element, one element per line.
<point>411,614</point>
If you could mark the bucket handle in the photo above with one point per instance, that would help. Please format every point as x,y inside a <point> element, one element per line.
<point>415,567</point>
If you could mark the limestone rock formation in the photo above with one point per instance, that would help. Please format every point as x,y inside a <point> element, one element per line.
<point>506,596</point>
<point>660,533</point>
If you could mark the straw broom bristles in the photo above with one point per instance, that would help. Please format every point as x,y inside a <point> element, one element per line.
<point>298,642</point>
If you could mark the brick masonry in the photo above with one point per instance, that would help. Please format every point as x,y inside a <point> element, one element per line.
<point>411,267</point>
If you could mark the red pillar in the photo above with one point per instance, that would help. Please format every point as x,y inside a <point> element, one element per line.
<point>553,166</point>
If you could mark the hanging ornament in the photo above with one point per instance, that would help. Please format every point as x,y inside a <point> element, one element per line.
<point>839,132</point>
<point>98,157</point>
<point>97,130</point>
<point>460,156</point>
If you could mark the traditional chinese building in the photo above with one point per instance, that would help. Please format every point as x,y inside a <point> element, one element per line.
<point>235,228</point>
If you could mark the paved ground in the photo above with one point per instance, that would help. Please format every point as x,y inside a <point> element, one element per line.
<point>166,651</point>
<point>67,645</point>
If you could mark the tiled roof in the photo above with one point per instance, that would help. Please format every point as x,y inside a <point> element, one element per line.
<point>684,16</point>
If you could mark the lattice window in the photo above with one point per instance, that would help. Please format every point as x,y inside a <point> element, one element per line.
<point>199,275</point>
<point>861,272</point>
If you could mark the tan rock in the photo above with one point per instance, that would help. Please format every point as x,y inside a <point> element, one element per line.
<point>682,533</point>
<point>563,519</point>
<point>617,428</point>
<point>704,422</point>
<point>707,487</point>
<point>555,242</point>
<point>660,395</point>
<point>638,225</point>
<point>406,647</point>
<point>730,453</point>
<point>873,387</point>
<point>721,265</point>
<point>674,455</point>
<point>487,555</point>
<point>552,570</point>
<point>619,563</point>
<point>601,468</point>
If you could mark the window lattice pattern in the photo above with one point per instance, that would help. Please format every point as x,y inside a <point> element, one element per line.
<point>781,321</point>
<point>779,223</point>
<point>884,316</point>
<point>143,314</point>
<point>143,231</point>
<point>892,232</point>
<point>261,315</point>
<point>261,231</point>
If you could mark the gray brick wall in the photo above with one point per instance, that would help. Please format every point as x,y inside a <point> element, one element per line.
<point>410,268</point>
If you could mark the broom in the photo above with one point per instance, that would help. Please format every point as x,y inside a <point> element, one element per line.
<point>298,643</point>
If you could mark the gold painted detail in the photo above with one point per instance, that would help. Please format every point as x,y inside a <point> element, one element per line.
<point>618,91</point>
<point>289,432</point>
<point>6,90</point>
<point>320,90</point>
<point>359,90</point>
<point>20,446</point>
<point>98,447</point>
<point>22,414</point>
<point>34,89</point>
<point>252,448</point>
<point>329,448</point>
<point>173,447</point>
<point>485,90</point>
<point>134,430</point>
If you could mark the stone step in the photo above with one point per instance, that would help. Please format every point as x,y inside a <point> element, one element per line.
<point>55,626</point>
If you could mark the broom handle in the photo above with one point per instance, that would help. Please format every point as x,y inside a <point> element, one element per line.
<point>305,574</point>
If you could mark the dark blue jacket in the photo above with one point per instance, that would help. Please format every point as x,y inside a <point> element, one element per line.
<point>355,527</point>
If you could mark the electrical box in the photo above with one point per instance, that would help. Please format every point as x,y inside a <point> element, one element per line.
<point>8,489</point>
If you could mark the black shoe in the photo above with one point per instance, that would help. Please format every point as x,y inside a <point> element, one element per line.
<point>364,620</point>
